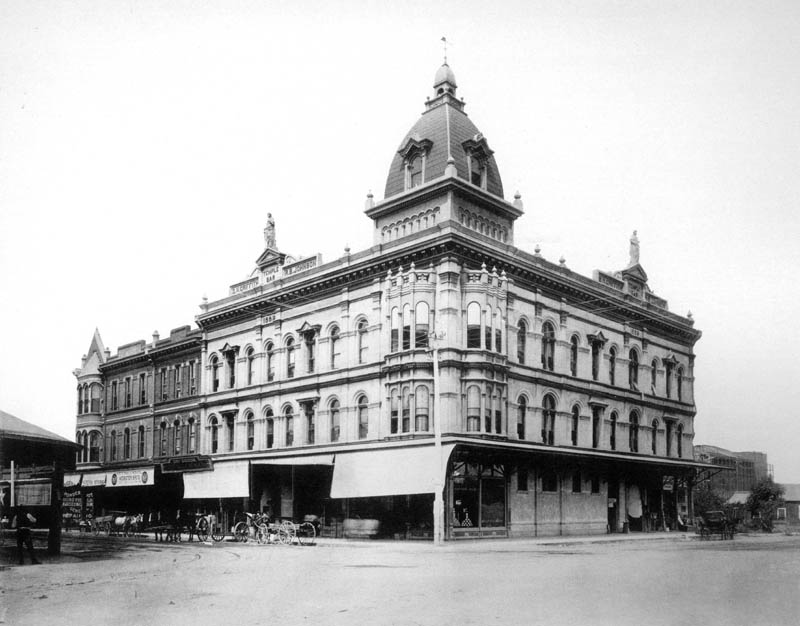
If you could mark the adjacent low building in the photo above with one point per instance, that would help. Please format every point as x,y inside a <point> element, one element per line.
<point>443,381</point>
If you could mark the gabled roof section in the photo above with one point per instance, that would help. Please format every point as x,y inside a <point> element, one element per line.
<point>12,427</point>
<point>94,358</point>
<point>270,257</point>
<point>635,272</point>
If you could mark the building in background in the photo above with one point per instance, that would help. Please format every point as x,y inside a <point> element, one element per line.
<point>743,471</point>
<point>443,381</point>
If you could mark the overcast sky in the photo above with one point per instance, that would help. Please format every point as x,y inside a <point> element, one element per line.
<point>143,143</point>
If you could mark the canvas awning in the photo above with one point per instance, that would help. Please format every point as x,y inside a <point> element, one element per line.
<point>389,472</point>
<point>310,459</point>
<point>226,480</point>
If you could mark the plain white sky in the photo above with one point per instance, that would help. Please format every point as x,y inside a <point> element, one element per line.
<point>143,143</point>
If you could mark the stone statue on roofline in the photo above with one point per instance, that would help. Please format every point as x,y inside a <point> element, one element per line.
<point>634,250</point>
<point>269,232</point>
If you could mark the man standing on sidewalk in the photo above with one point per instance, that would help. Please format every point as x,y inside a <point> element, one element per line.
<point>22,522</point>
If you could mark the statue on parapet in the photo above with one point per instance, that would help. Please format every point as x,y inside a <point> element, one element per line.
<point>269,232</point>
<point>634,250</point>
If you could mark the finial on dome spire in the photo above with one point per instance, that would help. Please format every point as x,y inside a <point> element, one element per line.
<point>444,40</point>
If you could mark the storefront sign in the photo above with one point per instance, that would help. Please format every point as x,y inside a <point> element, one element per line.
<point>669,483</point>
<point>94,479</point>
<point>130,478</point>
<point>188,464</point>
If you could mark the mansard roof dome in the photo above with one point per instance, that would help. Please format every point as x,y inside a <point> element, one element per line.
<point>444,131</point>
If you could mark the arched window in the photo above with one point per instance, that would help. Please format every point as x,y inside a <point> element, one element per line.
<point>335,426</point>
<point>612,365</point>
<point>421,409</point>
<point>487,410</point>
<point>363,417</point>
<point>311,350</point>
<point>214,373</point>
<point>414,171</point>
<point>290,349</point>
<point>362,340</point>
<point>288,414</point>
<point>522,332</point>
<point>270,362</point>
<point>162,439</point>
<point>251,432</point>
<point>334,341</point>
<point>113,442</point>
<point>94,447</point>
<point>548,346</point>
<point>79,441</point>
<point>498,331</point>
<point>473,409</point>
<point>86,397</point>
<point>612,434</point>
<point>576,417</point>
<point>487,328</point>
<point>668,371</point>
<point>270,429</point>
<point>653,374</point>
<point>421,325</point>
<point>498,411</point>
<point>230,432</point>
<point>633,432</point>
<point>192,426</point>
<point>406,421</point>
<point>597,348</point>
<point>679,381</point>
<point>251,374</point>
<point>633,370</point>
<point>176,437</point>
<point>394,423</point>
<point>548,419</point>
<point>214,435</point>
<point>140,443</point>
<point>679,440</point>
<point>522,408</point>
<point>230,360</point>
<point>654,437</point>
<point>406,326</point>
<point>473,325</point>
<point>126,443</point>
<point>573,355</point>
<point>395,322</point>
<point>668,426</point>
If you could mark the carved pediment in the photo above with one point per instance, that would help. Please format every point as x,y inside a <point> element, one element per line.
<point>478,147</point>
<point>415,146</point>
<point>635,272</point>
<point>270,258</point>
<point>597,337</point>
<point>229,348</point>
<point>307,329</point>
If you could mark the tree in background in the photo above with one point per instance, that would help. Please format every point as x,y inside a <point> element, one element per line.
<point>763,502</point>
<point>706,498</point>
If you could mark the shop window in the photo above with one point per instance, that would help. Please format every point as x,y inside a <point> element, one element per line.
<point>633,432</point>
<point>192,436</point>
<point>251,432</point>
<point>522,332</point>
<point>473,409</point>
<point>290,355</point>
<point>421,325</point>
<point>573,356</point>
<point>522,408</point>
<point>395,321</point>
<point>575,423</point>
<point>421,409</point>
<point>363,417</point>
<point>141,443</point>
<point>522,479</point>
<point>214,435</point>
<point>335,426</point>
<point>548,419</point>
<point>362,340</point>
<point>576,482</point>
<point>473,325</point>
<point>250,358</point>
<point>633,369</point>
<point>549,481</point>
<point>270,362</point>
<point>334,341</point>
<point>612,434</point>
<point>548,346</point>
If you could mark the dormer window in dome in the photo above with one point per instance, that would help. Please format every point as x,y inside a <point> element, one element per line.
<point>415,155</point>
<point>478,155</point>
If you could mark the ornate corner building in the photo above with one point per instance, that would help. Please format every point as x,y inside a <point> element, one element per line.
<point>442,360</point>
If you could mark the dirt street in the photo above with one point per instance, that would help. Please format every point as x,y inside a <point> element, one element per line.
<point>675,580</point>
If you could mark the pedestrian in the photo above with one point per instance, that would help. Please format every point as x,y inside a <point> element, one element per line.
<point>22,522</point>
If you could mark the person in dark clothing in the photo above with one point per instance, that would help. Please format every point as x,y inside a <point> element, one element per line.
<point>22,522</point>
